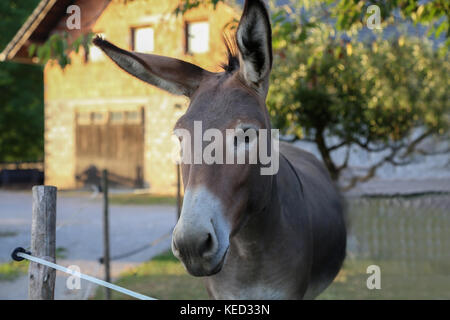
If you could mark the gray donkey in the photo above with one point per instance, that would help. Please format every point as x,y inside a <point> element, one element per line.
<point>251,236</point>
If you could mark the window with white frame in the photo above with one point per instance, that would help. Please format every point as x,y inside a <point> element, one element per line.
<point>144,39</point>
<point>197,37</point>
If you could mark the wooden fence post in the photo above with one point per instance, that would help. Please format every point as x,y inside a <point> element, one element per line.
<point>106,234</point>
<point>43,243</point>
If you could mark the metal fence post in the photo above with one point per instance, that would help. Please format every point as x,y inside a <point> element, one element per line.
<point>106,259</point>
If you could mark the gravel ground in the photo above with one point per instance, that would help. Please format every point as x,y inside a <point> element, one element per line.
<point>79,233</point>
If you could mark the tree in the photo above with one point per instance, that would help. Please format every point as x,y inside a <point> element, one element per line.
<point>21,93</point>
<point>435,14</point>
<point>385,95</point>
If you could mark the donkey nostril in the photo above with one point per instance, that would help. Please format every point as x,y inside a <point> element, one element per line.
<point>207,245</point>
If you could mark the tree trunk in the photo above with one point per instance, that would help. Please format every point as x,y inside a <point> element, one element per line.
<point>326,156</point>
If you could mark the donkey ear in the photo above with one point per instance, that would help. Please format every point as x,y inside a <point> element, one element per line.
<point>254,40</point>
<point>173,75</point>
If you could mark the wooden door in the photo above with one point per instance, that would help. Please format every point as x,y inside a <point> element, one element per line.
<point>111,140</point>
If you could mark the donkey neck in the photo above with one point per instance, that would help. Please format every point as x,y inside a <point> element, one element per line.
<point>264,229</point>
<point>259,230</point>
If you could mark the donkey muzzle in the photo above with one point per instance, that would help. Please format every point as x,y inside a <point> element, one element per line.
<point>201,237</point>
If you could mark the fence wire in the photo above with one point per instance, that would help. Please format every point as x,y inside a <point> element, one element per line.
<point>410,231</point>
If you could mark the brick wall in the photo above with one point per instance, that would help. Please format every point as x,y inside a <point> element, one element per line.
<point>102,84</point>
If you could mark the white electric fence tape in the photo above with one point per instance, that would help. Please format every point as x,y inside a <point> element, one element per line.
<point>85,277</point>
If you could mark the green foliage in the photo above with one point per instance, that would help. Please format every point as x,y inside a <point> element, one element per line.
<point>434,14</point>
<point>22,113</point>
<point>59,47</point>
<point>21,93</point>
<point>376,91</point>
<point>191,4</point>
<point>373,95</point>
<point>13,14</point>
<point>10,271</point>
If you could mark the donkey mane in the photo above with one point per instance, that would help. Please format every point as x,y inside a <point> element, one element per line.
<point>232,55</point>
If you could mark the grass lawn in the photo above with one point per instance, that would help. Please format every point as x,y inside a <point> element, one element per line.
<point>163,278</point>
<point>10,271</point>
<point>127,198</point>
<point>432,282</point>
<point>141,199</point>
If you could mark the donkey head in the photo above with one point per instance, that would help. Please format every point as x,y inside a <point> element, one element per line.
<point>219,197</point>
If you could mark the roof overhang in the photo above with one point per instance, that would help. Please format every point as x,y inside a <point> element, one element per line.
<point>46,19</point>
<point>36,29</point>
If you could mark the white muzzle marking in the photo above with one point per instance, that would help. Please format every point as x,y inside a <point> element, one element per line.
<point>201,236</point>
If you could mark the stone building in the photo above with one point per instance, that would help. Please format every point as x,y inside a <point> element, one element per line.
<point>96,115</point>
